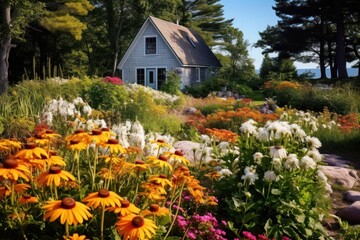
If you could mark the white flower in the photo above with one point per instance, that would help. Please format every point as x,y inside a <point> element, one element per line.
<point>224,147</point>
<point>315,154</point>
<point>321,176</point>
<point>257,157</point>
<point>276,162</point>
<point>78,101</point>
<point>313,142</point>
<point>277,152</point>
<point>292,162</point>
<point>250,175</point>
<point>137,140</point>
<point>205,139</point>
<point>270,176</point>
<point>225,172</point>
<point>248,128</point>
<point>87,110</point>
<point>262,134</point>
<point>307,162</point>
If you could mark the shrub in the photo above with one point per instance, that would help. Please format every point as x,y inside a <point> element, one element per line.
<point>172,85</point>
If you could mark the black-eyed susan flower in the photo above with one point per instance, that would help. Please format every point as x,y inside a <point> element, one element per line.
<point>214,175</point>
<point>135,227</point>
<point>161,162</point>
<point>31,151</point>
<point>51,135</point>
<point>113,146</point>
<point>97,136</point>
<point>155,210</point>
<point>177,157</point>
<point>27,198</point>
<point>76,145</point>
<point>54,177</point>
<point>79,136</point>
<point>39,139</point>
<point>18,188</point>
<point>137,167</point>
<point>161,179</point>
<point>14,169</point>
<point>103,198</point>
<point>55,159</point>
<point>76,236</point>
<point>126,208</point>
<point>68,210</point>
<point>161,143</point>
<point>9,145</point>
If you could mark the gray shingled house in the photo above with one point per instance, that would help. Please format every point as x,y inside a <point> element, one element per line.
<point>162,46</point>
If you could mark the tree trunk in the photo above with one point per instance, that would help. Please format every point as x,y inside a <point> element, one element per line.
<point>340,40</point>
<point>5,47</point>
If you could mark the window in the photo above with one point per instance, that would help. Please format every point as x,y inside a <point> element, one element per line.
<point>150,45</point>
<point>161,73</point>
<point>197,75</point>
<point>191,41</point>
<point>140,76</point>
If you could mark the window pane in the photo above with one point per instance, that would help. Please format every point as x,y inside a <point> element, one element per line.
<point>140,76</point>
<point>161,73</point>
<point>150,45</point>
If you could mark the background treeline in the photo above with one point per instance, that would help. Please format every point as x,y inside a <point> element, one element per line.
<point>47,38</point>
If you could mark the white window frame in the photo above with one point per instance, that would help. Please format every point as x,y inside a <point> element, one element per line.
<point>156,48</point>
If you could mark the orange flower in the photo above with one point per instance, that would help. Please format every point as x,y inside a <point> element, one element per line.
<point>125,209</point>
<point>156,210</point>
<point>214,175</point>
<point>138,166</point>
<point>79,136</point>
<point>135,227</point>
<point>26,198</point>
<point>55,159</point>
<point>31,151</point>
<point>9,145</point>
<point>103,198</point>
<point>160,179</point>
<point>114,146</point>
<point>14,169</point>
<point>76,145</point>
<point>161,143</point>
<point>19,188</point>
<point>53,176</point>
<point>161,162</point>
<point>76,236</point>
<point>177,157</point>
<point>69,211</point>
<point>97,136</point>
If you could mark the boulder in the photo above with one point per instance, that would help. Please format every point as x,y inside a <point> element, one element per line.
<point>189,110</point>
<point>352,196</point>
<point>350,213</point>
<point>335,160</point>
<point>345,177</point>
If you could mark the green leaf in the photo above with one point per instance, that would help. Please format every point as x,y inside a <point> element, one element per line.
<point>300,218</point>
<point>275,191</point>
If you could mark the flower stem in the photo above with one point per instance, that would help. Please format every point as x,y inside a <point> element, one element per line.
<point>67,230</point>
<point>102,223</point>
<point>12,193</point>
<point>94,170</point>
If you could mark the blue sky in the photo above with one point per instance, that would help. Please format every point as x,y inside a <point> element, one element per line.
<point>252,17</point>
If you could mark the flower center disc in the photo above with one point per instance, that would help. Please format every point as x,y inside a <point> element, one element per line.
<point>68,203</point>
<point>278,147</point>
<point>160,141</point>
<point>179,153</point>
<point>139,161</point>
<point>30,145</point>
<point>162,176</point>
<point>79,131</point>
<point>138,221</point>
<point>125,203</point>
<point>38,136</point>
<point>73,142</point>
<point>49,131</point>
<point>96,132</point>
<point>54,170</point>
<point>112,141</point>
<point>27,196</point>
<point>154,207</point>
<point>10,163</point>
<point>163,158</point>
<point>103,193</point>
<point>105,129</point>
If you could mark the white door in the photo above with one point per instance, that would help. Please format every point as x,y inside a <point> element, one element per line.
<point>150,78</point>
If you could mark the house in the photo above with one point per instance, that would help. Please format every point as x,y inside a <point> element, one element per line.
<point>162,46</point>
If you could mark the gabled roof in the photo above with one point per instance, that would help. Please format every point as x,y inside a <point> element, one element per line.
<point>187,45</point>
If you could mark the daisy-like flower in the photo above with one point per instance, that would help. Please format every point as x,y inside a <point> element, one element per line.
<point>249,128</point>
<point>76,236</point>
<point>76,145</point>
<point>54,177</point>
<point>270,176</point>
<point>315,155</point>
<point>26,198</point>
<point>278,152</point>
<point>31,151</point>
<point>155,210</point>
<point>161,143</point>
<point>276,162</point>
<point>68,210</point>
<point>292,162</point>
<point>113,146</point>
<point>225,172</point>
<point>14,169</point>
<point>250,175</point>
<point>9,145</point>
<point>138,166</point>
<point>103,198</point>
<point>161,162</point>
<point>135,227</point>
<point>19,188</point>
<point>313,142</point>
<point>97,136</point>
<point>55,159</point>
<point>39,139</point>
<point>307,162</point>
<point>257,157</point>
<point>177,157</point>
<point>160,179</point>
<point>126,208</point>
<point>214,175</point>
<point>79,136</point>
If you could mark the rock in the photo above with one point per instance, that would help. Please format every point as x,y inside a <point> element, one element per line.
<point>335,160</point>
<point>352,196</point>
<point>189,110</point>
<point>229,94</point>
<point>342,176</point>
<point>350,213</point>
<point>194,151</point>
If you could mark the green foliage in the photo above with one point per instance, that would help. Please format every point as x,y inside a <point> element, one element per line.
<point>172,85</point>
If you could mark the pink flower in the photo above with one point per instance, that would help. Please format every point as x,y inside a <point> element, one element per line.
<point>262,237</point>
<point>285,238</point>
<point>248,235</point>
<point>113,80</point>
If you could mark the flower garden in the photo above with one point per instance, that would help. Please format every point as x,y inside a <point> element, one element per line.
<point>87,159</point>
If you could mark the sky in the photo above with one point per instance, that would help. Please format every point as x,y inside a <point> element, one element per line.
<point>252,17</point>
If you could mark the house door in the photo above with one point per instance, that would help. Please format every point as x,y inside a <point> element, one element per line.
<point>150,78</point>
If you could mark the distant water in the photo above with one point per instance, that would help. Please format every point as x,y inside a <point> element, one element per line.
<point>352,72</point>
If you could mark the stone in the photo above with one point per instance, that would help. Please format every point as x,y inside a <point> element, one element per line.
<point>345,177</point>
<point>335,160</point>
<point>189,110</point>
<point>352,196</point>
<point>350,213</point>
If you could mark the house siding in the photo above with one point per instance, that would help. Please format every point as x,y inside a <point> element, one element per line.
<point>138,59</point>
